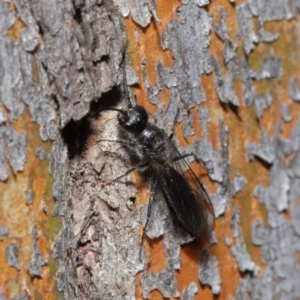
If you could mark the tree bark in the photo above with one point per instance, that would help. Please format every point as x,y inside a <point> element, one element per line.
<point>221,76</point>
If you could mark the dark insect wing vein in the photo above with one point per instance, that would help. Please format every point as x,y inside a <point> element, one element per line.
<point>187,203</point>
<point>179,164</point>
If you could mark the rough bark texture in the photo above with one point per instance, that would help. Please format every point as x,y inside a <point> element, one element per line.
<point>222,76</point>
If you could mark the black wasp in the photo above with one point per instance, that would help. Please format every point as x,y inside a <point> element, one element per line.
<point>155,154</point>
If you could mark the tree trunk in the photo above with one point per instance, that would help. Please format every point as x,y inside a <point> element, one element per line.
<point>221,77</point>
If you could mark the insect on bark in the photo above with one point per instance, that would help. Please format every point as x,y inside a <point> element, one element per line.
<point>155,154</point>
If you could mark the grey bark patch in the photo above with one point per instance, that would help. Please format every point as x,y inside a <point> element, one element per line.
<point>165,282</point>
<point>29,197</point>
<point>294,206</point>
<point>172,110</point>
<point>265,150</point>
<point>229,93</point>
<point>294,166</point>
<point>18,156</point>
<point>2,296</point>
<point>3,154</point>
<point>276,12</point>
<point>276,194</point>
<point>244,17</point>
<point>141,11</point>
<point>7,19</point>
<point>37,259</point>
<point>258,233</point>
<point>260,105</point>
<point>235,220</point>
<point>40,153</point>
<point>166,77</point>
<point>2,117</point>
<point>294,92</point>
<point>216,161</point>
<point>137,35</point>
<point>295,7</point>
<point>284,110</point>
<point>219,200</point>
<point>59,246</point>
<point>208,271</point>
<point>198,2</point>
<point>249,92</point>
<point>12,255</point>
<point>172,251</point>
<point>155,226</point>
<point>213,160</point>
<point>264,287</point>
<point>282,266</point>
<point>190,291</point>
<point>11,66</point>
<point>13,149</point>
<point>221,28</point>
<point>21,297</point>
<point>243,259</point>
<point>228,241</point>
<point>131,76</point>
<point>180,33</point>
<point>242,293</point>
<point>3,231</point>
<point>253,7</point>
<point>266,36</point>
<point>30,38</point>
<point>61,167</point>
<point>238,184</point>
<point>229,51</point>
<point>271,67</point>
<point>187,125</point>
<point>224,87</point>
<point>205,119</point>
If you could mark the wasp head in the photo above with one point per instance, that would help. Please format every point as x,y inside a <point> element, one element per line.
<point>134,119</point>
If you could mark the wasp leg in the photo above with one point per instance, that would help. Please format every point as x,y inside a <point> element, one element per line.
<point>201,162</point>
<point>184,156</point>
<point>127,173</point>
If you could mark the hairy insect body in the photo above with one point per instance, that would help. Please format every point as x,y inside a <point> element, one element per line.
<point>153,152</point>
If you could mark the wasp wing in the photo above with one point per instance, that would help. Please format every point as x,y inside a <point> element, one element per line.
<point>184,193</point>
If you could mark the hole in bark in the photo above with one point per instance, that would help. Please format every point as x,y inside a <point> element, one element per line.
<point>78,15</point>
<point>75,135</point>
<point>132,199</point>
